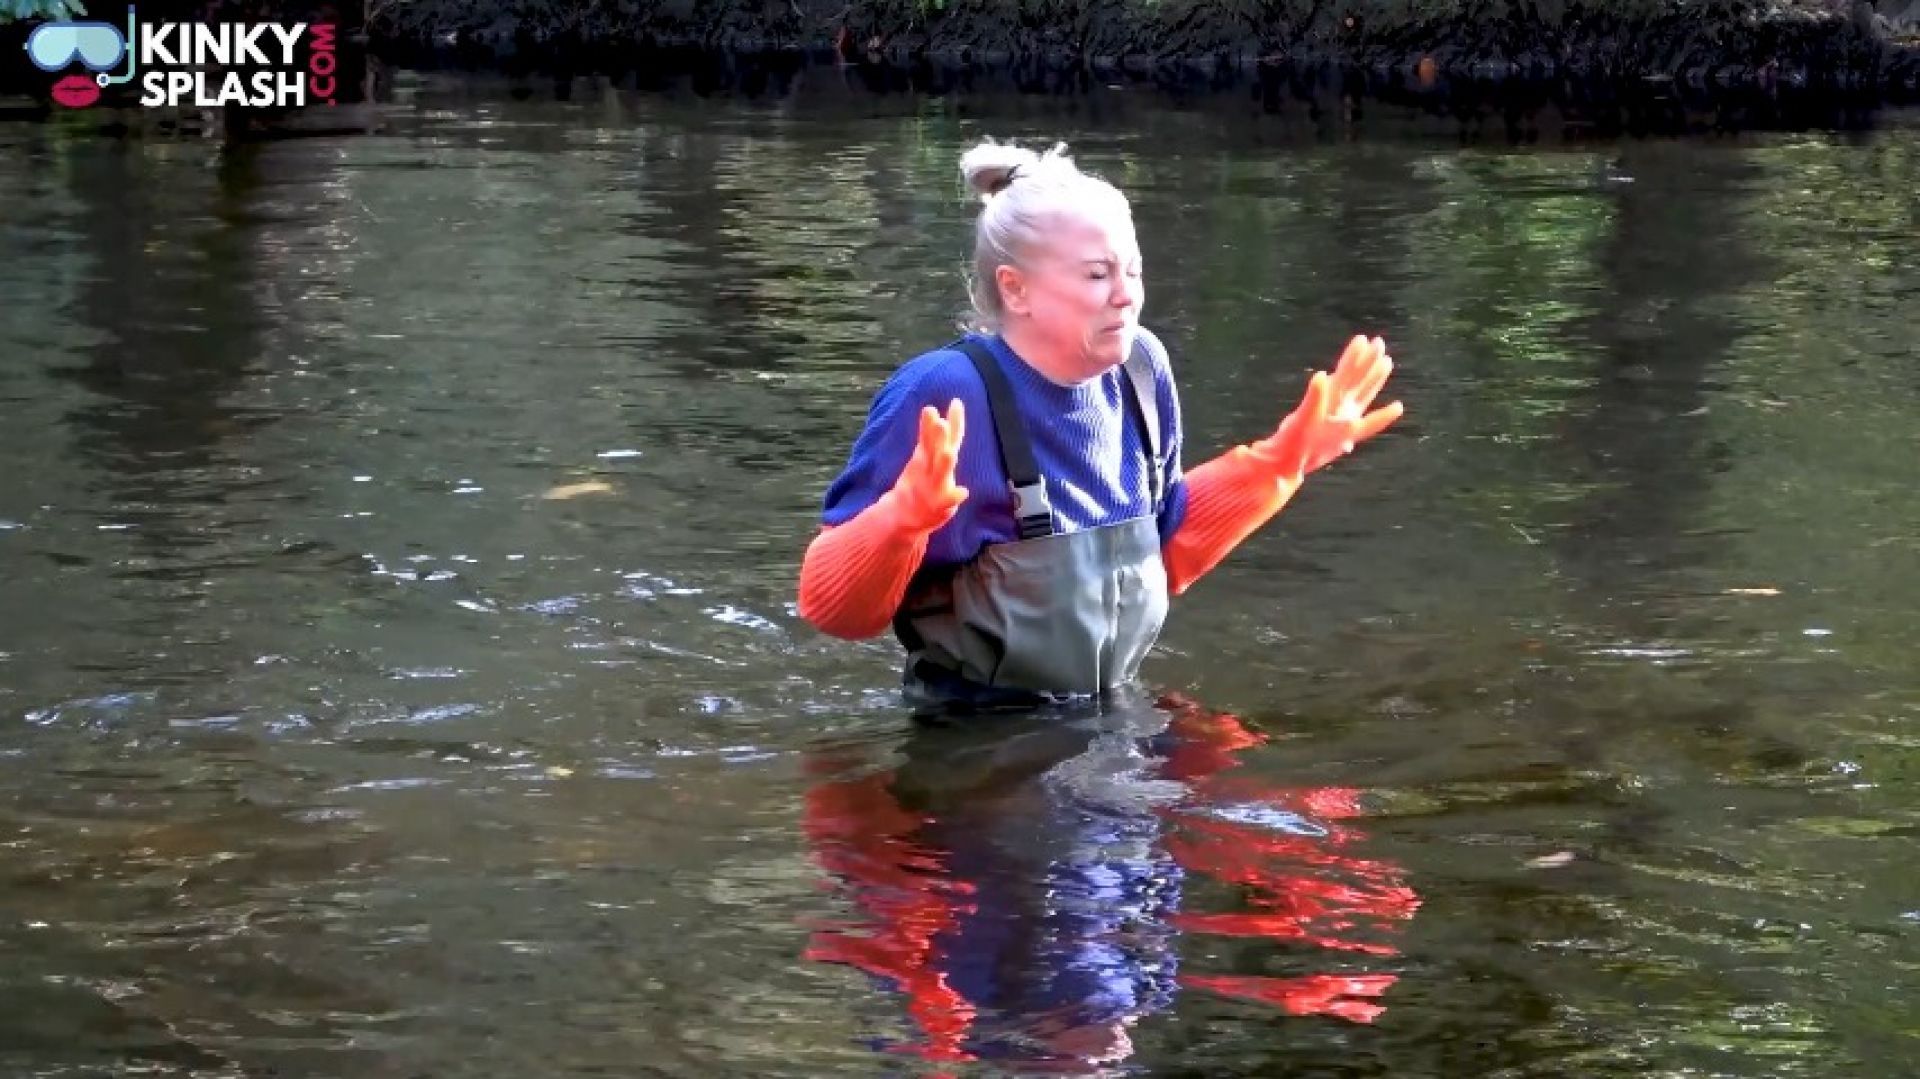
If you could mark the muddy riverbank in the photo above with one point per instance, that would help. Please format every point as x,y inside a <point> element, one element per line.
<point>1804,49</point>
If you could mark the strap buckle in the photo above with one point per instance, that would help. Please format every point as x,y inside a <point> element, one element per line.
<point>1032,509</point>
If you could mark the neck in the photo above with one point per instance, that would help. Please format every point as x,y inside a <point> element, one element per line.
<point>1039,355</point>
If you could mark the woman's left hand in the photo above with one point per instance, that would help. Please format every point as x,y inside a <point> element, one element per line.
<point>1333,418</point>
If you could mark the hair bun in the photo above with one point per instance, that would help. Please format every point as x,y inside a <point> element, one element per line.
<point>991,166</point>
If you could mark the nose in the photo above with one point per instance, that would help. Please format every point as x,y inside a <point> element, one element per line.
<point>1126,291</point>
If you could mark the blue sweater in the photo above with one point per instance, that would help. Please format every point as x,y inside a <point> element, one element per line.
<point>1085,441</point>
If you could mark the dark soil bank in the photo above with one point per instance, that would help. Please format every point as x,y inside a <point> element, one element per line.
<point>1848,48</point>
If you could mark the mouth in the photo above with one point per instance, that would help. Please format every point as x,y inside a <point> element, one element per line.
<point>76,91</point>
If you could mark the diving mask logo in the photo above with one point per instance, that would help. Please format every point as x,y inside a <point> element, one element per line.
<point>190,63</point>
<point>98,46</point>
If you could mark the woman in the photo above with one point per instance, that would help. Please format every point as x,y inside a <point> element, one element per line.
<point>1036,562</point>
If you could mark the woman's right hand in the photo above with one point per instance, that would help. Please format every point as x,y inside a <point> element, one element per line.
<point>925,493</point>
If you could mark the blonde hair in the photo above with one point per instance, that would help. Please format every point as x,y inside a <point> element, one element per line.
<point>1024,193</point>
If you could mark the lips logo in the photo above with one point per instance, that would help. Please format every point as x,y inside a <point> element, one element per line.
<point>97,46</point>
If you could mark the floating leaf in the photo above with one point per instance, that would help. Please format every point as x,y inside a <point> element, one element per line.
<point>575,490</point>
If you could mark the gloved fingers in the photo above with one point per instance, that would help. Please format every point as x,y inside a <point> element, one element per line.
<point>953,429</point>
<point>956,423</point>
<point>1372,379</point>
<point>932,433</point>
<point>1353,360</point>
<point>1377,421</point>
<point>928,480</point>
<point>939,443</point>
<point>949,431</point>
<point>1318,401</point>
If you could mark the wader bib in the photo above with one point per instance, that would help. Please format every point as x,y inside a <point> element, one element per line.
<point>1053,614</point>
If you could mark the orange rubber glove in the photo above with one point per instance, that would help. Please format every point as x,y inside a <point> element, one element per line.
<point>1231,496</point>
<point>855,575</point>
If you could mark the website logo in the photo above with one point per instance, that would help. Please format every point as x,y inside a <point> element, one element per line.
<point>191,63</point>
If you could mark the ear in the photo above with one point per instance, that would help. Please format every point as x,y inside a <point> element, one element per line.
<point>1013,289</point>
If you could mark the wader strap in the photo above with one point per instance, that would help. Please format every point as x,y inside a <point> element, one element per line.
<point>1146,409</point>
<point>1031,509</point>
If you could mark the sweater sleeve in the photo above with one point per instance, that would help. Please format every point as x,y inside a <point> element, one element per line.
<point>856,574</point>
<point>1228,498</point>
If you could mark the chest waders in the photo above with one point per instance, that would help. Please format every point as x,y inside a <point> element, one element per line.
<point>1052,614</point>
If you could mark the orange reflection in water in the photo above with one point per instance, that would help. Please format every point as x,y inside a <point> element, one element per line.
<point>862,836</point>
<point>1028,923</point>
<point>1301,884</point>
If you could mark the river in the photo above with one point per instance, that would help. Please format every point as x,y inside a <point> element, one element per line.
<point>399,673</point>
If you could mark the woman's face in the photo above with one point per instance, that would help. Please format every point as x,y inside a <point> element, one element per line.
<point>1076,299</point>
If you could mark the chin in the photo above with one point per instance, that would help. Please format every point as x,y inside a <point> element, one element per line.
<point>1111,350</point>
<point>1098,363</point>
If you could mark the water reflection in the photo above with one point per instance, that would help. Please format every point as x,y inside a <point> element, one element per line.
<point>1635,432</point>
<point>1025,884</point>
<point>171,272</point>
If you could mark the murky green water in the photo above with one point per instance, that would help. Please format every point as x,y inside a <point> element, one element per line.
<point>1571,729</point>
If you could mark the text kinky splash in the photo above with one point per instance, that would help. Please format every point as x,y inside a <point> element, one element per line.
<point>180,64</point>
